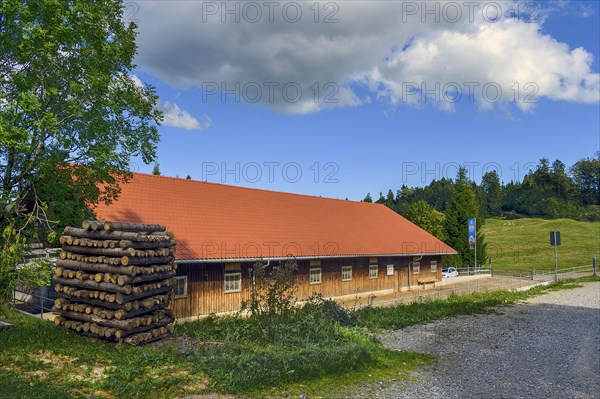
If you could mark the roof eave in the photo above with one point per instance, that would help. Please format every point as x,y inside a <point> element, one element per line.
<point>276,258</point>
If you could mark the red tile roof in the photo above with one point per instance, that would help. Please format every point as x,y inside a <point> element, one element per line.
<point>216,221</point>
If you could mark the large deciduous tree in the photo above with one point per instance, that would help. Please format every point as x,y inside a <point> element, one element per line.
<point>426,217</point>
<point>71,115</point>
<point>586,175</point>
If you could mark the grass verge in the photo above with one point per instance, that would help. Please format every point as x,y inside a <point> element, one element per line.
<point>39,360</point>
<point>404,315</point>
<point>317,350</point>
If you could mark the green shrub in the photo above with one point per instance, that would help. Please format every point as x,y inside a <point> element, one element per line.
<point>271,348</point>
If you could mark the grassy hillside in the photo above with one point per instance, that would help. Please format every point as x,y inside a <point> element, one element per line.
<point>524,244</point>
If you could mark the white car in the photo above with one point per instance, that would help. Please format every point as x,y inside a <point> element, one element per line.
<point>449,272</point>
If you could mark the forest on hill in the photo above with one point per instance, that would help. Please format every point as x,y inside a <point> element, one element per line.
<point>551,190</point>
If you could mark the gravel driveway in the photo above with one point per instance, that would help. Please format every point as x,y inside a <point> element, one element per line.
<point>548,347</point>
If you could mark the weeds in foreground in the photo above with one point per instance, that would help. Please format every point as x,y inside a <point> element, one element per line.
<point>318,349</point>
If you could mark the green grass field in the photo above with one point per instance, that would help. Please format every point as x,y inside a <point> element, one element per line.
<point>524,244</point>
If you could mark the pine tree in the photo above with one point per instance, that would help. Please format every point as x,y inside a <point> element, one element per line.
<point>490,182</point>
<point>461,207</point>
<point>156,169</point>
<point>390,201</point>
<point>368,198</point>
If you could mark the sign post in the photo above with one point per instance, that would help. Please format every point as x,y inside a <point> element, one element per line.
<point>473,238</point>
<point>555,242</point>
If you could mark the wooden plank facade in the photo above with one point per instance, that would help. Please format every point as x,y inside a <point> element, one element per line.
<point>216,225</point>
<point>205,290</point>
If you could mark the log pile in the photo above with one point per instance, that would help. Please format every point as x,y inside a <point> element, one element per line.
<point>115,281</point>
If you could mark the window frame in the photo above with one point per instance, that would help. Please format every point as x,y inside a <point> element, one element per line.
<point>185,287</point>
<point>433,266</point>
<point>347,269</point>
<point>374,267</point>
<point>416,267</point>
<point>238,274</point>
<point>310,274</point>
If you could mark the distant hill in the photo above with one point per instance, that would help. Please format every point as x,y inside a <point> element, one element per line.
<point>524,244</point>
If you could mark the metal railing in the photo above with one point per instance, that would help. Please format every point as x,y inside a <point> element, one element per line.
<point>41,304</point>
<point>498,282</point>
<point>473,271</point>
<point>544,274</point>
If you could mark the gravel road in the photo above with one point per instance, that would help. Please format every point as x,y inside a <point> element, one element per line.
<point>548,347</point>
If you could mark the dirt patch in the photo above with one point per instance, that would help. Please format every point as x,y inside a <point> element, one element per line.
<point>91,374</point>
<point>55,359</point>
<point>78,372</point>
<point>172,371</point>
<point>95,395</point>
<point>99,372</point>
<point>193,382</point>
<point>37,374</point>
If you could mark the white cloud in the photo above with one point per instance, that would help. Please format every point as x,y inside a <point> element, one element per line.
<point>137,81</point>
<point>499,63</point>
<point>176,117</point>
<point>378,45</point>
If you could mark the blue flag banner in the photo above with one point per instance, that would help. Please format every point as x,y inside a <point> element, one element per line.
<point>472,234</point>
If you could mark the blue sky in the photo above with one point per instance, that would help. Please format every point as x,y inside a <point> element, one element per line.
<point>377,135</point>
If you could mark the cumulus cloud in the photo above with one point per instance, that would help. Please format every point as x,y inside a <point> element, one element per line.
<point>136,80</point>
<point>295,59</point>
<point>176,117</point>
<point>503,62</point>
<point>173,115</point>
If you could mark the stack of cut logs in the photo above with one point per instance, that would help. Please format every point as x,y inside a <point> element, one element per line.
<point>115,280</point>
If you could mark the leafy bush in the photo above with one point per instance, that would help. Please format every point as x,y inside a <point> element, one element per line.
<point>329,309</point>
<point>270,348</point>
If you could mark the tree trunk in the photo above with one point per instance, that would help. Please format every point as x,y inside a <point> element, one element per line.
<point>126,289</point>
<point>116,235</point>
<point>122,314</point>
<point>118,252</point>
<point>155,260</point>
<point>123,280</point>
<point>98,267</point>
<point>133,227</point>
<point>130,324</point>
<point>146,245</point>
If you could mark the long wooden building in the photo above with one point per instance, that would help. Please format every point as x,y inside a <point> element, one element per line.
<point>342,247</point>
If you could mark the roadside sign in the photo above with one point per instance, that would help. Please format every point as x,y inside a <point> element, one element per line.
<point>555,238</point>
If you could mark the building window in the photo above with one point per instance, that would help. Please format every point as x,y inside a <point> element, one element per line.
<point>315,275</point>
<point>416,266</point>
<point>180,288</point>
<point>346,273</point>
<point>373,270</point>
<point>434,265</point>
<point>233,282</point>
